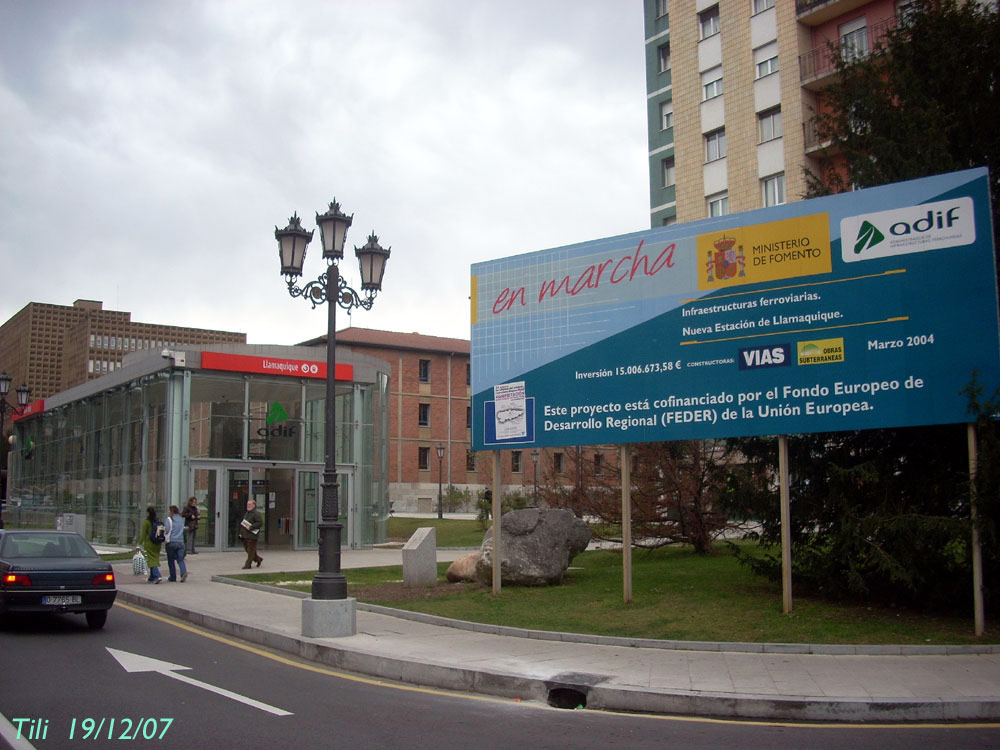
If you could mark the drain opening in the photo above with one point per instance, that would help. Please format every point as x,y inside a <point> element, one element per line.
<point>564,697</point>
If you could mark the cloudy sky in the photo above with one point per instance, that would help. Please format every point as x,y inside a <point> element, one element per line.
<point>148,148</point>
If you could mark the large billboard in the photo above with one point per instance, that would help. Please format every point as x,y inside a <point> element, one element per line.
<point>855,311</point>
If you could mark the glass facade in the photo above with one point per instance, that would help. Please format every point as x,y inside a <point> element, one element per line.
<point>168,435</point>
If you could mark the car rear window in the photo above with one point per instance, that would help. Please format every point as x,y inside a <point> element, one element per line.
<point>41,544</point>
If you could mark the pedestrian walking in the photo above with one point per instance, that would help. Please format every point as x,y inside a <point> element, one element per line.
<point>249,529</point>
<point>151,530</point>
<point>191,515</point>
<point>175,545</point>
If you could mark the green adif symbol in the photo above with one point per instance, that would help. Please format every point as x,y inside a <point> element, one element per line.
<point>277,413</point>
<point>868,237</point>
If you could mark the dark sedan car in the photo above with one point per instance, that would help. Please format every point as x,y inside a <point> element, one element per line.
<point>54,571</point>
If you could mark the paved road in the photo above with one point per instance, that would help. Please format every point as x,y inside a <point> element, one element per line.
<point>58,674</point>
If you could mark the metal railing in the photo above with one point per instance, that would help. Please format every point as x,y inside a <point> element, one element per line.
<point>851,47</point>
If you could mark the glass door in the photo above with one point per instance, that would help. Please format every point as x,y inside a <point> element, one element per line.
<point>308,500</point>
<point>205,487</point>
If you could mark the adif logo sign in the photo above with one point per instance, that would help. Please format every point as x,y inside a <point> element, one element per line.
<point>914,229</point>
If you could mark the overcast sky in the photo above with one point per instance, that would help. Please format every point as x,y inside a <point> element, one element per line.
<point>148,149</point>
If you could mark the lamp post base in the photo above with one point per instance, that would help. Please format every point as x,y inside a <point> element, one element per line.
<point>329,618</point>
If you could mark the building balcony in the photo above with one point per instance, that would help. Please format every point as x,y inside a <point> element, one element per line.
<point>818,67</point>
<point>815,12</point>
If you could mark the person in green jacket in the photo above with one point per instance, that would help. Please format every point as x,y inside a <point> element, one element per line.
<point>249,529</point>
<point>150,549</point>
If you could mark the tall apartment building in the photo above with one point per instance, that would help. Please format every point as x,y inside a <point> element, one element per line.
<point>54,347</point>
<point>731,88</point>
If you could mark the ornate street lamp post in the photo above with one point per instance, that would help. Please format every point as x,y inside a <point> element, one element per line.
<point>23,393</point>
<point>330,287</point>
<point>440,452</point>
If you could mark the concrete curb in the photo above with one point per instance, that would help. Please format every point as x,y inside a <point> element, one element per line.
<point>825,649</point>
<point>588,688</point>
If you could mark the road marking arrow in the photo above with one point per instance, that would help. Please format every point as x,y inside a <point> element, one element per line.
<point>137,663</point>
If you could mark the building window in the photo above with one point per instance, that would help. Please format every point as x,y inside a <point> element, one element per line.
<point>759,6</point>
<point>666,115</point>
<point>557,463</point>
<point>468,417</point>
<point>423,414</point>
<point>767,66</point>
<point>715,145</point>
<point>423,459</point>
<point>853,39</point>
<point>709,22</point>
<point>718,205</point>
<point>91,341</point>
<point>598,464</point>
<point>468,374</point>
<point>770,124</point>
<point>711,83</point>
<point>662,8</point>
<point>663,52</point>
<point>515,462</point>
<point>774,189</point>
<point>470,460</point>
<point>667,167</point>
<point>90,365</point>
<point>667,221</point>
<point>424,374</point>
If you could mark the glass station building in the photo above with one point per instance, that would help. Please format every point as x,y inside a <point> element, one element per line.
<point>223,424</point>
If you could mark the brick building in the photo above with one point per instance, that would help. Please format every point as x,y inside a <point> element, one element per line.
<point>55,347</point>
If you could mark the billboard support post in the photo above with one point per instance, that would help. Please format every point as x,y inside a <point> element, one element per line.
<point>626,523</point>
<point>977,551</point>
<point>497,513</point>
<point>786,526</point>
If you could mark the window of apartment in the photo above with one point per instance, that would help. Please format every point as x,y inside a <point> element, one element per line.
<point>774,189</point>
<point>709,22</point>
<point>468,374</point>
<point>598,464</point>
<point>668,221</point>
<point>423,414</point>
<point>759,6</point>
<point>770,124</point>
<point>718,205</point>
<point>423,459</point>
<point>90,365</point>
<point>663,52</point>
<point>557,463</point>
<point>767,66</point>
<point>715,145</point>
<point>666,115</point>
<point>662,8</point>
<point>91,341</point>
<point>667,168</point>
<point>853,39</point>
<point>470,460</point>
<point>424,372</point>
<point>468,417</point>
<point>515,462</point>
<point>711,83</point>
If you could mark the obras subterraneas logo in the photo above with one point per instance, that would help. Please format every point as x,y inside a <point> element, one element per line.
<point>913,229</point>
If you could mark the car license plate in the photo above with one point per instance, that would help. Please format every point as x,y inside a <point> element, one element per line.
<point>61,600</point>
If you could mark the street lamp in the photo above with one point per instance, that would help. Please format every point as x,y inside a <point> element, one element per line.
<point>534,458</point>
<point>440,452</point>
<point>23,393</point>
<point>330,287</point>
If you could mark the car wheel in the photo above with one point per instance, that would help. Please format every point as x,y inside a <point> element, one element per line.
<point>97,618</point>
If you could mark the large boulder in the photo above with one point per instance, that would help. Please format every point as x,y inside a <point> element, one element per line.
<point>536,547</point>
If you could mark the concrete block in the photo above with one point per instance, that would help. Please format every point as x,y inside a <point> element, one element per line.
<point>329,618</point>
<point>420,558</point>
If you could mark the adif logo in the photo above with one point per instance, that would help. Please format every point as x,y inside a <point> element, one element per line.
<point>914,229</point>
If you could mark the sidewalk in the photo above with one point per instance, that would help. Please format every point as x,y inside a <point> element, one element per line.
<point>760,681</point>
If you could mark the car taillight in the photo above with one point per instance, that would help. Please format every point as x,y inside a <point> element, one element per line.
<point>17,579</point>
<point>103,578</point>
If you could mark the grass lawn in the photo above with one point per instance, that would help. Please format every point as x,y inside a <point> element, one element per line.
<point>449,532</point>
<point>677,595</point>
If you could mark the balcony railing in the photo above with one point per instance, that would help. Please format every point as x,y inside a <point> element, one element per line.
<point>851,47</point>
